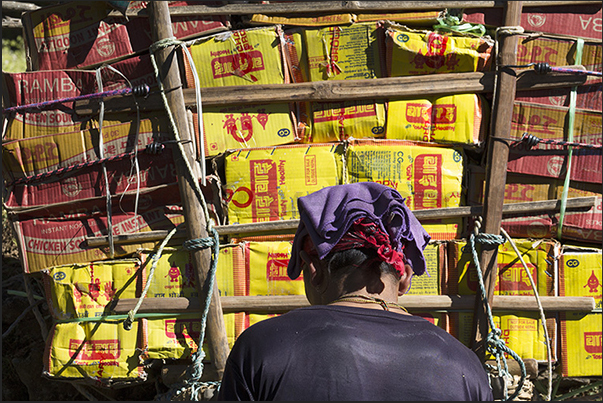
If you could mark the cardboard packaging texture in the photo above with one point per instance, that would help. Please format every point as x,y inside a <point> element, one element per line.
<point>243,126</point>
<point>588,97</point>
<point>579,20</point>
<point>344,52</point>
<point>522,332</point>
<point>539,255</point>
<point>581,344</point>
<point>83,34</point>
<point>241,57</point>
<point>412,52</point>
<point>432,282</point>
<point>263,184</point>
<point>446,119</point>
<point>580,273</point>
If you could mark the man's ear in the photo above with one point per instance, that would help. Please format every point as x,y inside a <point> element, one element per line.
<point>405,279</point>
<point>314,269</point>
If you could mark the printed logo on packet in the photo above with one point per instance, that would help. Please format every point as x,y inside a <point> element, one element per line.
<point>95,350</point>
<point>276,267</point>
<point>592,342</point>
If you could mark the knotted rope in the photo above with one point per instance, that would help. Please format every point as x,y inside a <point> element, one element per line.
<point>494,344</point>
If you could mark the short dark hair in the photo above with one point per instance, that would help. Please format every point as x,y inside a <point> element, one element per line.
<point>345,261</point>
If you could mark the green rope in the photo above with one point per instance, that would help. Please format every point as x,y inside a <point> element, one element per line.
<point>494,344</point>
<point>570,138</point>
<point>453,23</point>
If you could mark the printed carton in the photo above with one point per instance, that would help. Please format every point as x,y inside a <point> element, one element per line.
<point>415,18</point>
<point>551,123</point>
<point>522,332</point>
<point>241,57</point>
<point>101,352</point>
<point>581,343</point>
<point>540,257</point>
<point>432,281</point>
<point>411,52</point>
<point>266,269</point>
<point>445,119</point>
<point>244,126</point>
<point>427,176</point>
<point>579,20</point>
<point>587,97</point>
<point>45,86</point>
<point>344,52</point>
<point>580,273</point>
<point>263,184</point>
<point>83,34</point>
<point>56,235</point>
<point>319,21</point>
<point>335,121</point>
<point>580,225</point>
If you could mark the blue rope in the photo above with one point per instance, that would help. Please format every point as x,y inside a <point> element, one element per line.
<point>494,344</point>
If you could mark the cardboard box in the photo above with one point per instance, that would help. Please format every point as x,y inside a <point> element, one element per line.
<point>581,225</point>
<point>460,118</point>
<point>415,18</point>
<point>319,21</point>
<point>539,255</point>
<point>579,20</point>
<point>587,97</point>
<point>581,343</point>
<point>335,121</point>
<point>244,126</point>
<point>522,332</point>
<point>44,86</point>
<point>580,273</point>
<point>427,176</point>
<point>550,123</point>
<point>83,34</point>
<point>263,184</point>
<point>56,235</point>
<point>344,52</point>
<point>411,52</point>
<point>432,282</point>
<point>241,57</point>
<point>100,352</point>
<point>37,155</point>
<point>266,269</point>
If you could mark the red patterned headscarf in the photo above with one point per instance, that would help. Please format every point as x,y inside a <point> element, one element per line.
<point>366,234</point>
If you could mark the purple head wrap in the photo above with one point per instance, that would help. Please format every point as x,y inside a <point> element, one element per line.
<point>326,215</point>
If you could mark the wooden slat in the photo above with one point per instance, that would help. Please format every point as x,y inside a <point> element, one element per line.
<point>341,90</point>
<point>326,7</point>
<point>497,155</point>
<point>289,226</point>
<point>416,303</point>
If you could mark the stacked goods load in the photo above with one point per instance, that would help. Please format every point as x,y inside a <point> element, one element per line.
<point>263,157</point>
<point>547,168</point>
<point>72,178</point>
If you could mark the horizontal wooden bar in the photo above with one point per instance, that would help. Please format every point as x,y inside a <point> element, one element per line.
<point>341,90</point>
<point>297,7</point>
<point>291,225</point>
<point>285,303</point>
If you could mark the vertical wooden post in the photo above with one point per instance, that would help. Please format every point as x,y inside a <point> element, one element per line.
<point>161,27</point>
<point>496,168</point>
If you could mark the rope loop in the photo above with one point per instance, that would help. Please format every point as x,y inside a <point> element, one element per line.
<point>510,30</point>
<point>164,43</point>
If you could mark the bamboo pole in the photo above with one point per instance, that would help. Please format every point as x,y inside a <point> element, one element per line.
<point>269,304</point>
<point>161,28</point>
<point>290,226</point>
<point>342,90</point>
<point>496,169</point>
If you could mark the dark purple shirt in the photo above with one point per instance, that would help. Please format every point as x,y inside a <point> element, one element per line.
<point>351,353</point>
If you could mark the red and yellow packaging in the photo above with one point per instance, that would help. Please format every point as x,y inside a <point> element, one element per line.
<point>241,57</point>
<point>522,332</point>
<point>427,176</point>
<point>447,119</point>
<point>539,255</point>
<point>581,344</point>
<point>430,282</point>
<point>344,52</point>
<point>244,126</point>
<point>263,184</point>
<point>580,273</point>
<point>411,52</point>
<point>335,121</point>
